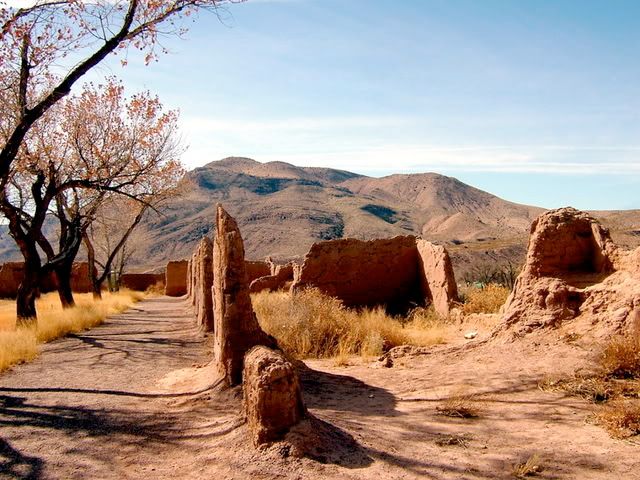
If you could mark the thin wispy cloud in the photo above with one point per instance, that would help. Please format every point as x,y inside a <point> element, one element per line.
<point>309,125</point>
<point>363,143</point>
<point>456,158</point>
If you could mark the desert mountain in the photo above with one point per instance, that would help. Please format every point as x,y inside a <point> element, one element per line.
<point>283,209</point>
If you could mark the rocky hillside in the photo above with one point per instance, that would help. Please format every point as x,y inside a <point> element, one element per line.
<point>282,209</point>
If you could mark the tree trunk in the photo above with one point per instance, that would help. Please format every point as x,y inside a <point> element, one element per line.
<point>26,298</point>
<point>63,272</point>
<point>97,289</point>
<point>96,284</point>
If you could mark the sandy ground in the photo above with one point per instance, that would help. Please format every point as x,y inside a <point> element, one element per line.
<point>132,399</point>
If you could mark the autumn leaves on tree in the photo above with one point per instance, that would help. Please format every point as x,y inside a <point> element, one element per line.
<point>69,157</point>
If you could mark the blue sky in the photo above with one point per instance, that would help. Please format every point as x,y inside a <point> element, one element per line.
<point>537,101</point>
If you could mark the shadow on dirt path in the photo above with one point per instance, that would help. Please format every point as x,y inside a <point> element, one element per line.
<point>89,398</point>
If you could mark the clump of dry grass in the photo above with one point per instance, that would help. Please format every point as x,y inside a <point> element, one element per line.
<point>310,324</point>
<point>21,345</point>
<point>621,357</point>
<point>155,289</point>
<point>621,418</point>
<point>485,300</point>
<point>447,440</point>
<point>17,347</point>
<point>531,467</point>
<point>593,388</point>
<point>615,386</point>
<point>461,404</point>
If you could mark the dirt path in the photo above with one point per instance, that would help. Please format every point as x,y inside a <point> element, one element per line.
<point>125,401</point>
<point>86,408</point>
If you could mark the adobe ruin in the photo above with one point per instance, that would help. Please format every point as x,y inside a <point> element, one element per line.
<point>236,326</point>
<point>399,273</point>
<point>574,271</point>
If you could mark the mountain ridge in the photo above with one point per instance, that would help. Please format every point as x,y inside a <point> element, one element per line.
<point>282,209</point>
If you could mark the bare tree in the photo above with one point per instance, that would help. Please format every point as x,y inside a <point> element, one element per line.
<point>90,147</point>
<point>111,239</point>
<point>53,32</point>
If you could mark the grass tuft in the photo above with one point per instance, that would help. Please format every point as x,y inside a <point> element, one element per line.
<point>593,388</point>
<point>621,418</point>
<point>309,324</point>
<point>460,404</point>
<point>485,300</point>
<point>155,290</point>
<point>615,387</point>
<point>21,344</point>
<point>621,357</point>
<point>531,467</point>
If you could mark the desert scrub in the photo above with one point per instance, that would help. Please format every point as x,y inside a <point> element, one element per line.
<point>21,345</point>
<point>309,324</point>
<point>620,417</point>
<point>155,290</point>
<point>485,300</point>
<point>614,386</point>
<point>621,357</point>
<point>532,466</point>
<point>461,404</point>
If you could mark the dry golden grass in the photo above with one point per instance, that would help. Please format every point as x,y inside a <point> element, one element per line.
<point>309,324</point>
<point>485,300</point>
<point>621,357</point>
<point>155,289</point>
<point>621,418</point>
<point>531,467</point>
<point>21,345</point>
<point>461,404</point>
<point>590,387</point>
<point>615,387</point>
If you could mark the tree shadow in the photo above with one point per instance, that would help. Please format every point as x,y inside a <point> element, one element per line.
<point>14,464</point>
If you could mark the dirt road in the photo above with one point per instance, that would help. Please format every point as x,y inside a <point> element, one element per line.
<point>89,406</point>
<point>128,400</point>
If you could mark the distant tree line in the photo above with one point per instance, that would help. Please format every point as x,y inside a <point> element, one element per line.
<point>504,274</point>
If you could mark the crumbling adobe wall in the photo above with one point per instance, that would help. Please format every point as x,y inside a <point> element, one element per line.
<point>190,278</point>
<point>280,278</point>
<point>256,270</point>
<point>399,272</point>
<point>272,395</point>
<point>575,273</point>
<point>12,273</point>
<point>141,281</point>
<point>80,278</point>
<point>194,280</point>
<point>176,278</point>
<point>566,242</point>
<point>203,282</point>
<point>236,326</point>
<point>437,277</point>
<point>364,273</point>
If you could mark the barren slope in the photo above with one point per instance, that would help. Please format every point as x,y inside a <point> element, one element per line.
<point>282,209</point>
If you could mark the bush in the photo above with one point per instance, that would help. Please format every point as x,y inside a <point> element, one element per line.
<point>460,404</point>
<point>621,418</point>
<point>309,324</point>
